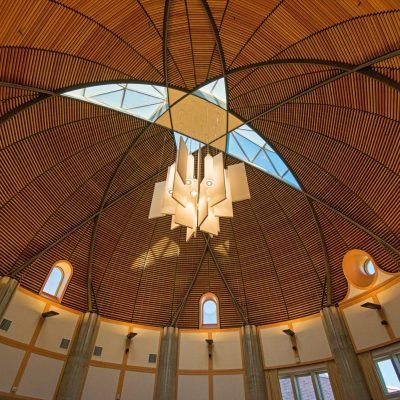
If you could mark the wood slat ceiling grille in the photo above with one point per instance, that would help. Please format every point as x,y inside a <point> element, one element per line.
<point>283,62</point>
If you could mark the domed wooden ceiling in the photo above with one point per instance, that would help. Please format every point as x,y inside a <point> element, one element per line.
<point>319,80</point>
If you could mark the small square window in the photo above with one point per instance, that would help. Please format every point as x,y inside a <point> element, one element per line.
<point>5,324</point>
<point>64,343</point>
<point>152,358</point>
<point>97,351</point>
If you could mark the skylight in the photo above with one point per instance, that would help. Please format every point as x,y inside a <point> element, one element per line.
<point>214,92</point>
<point>141,100</point>
<point>149,102</point>
<point>192,144</point>
<point>247,145</point>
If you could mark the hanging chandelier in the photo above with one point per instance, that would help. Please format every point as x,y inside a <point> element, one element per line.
<point>194,204</point>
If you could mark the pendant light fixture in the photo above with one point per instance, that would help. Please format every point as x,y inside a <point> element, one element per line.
<point>199,204</point>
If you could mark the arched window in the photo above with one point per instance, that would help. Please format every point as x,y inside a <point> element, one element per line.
<point>57,280</point>
<point>209,311</point>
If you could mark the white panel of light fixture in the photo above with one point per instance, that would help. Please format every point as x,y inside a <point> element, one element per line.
<point>157,200</point>
<point>208,169</point>
<point>225,209</point>
<point>169,203</point>
<point>217,192</point>
<point>238,182</point>
<point>210,224</point>
<point>174,225</point>
<point>182,160</point>
<point>190,169</point>
<point>180,191</point>
<point>189,233</point>
<point>186,216</point>
<point>203,203</point>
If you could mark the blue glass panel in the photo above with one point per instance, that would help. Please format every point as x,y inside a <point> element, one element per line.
<point>214,92</point>
<point>53,281</point>
<point>289,178</point>
<point>151,90</point>
<point>209,312</point>
<point>234,149</point>
<point>134,99</point>
<point>112,99</point>
<point>278,163</point>
<point>192,144</point>
<point>161,110</point>
<point>146,112</point>
<point>75,93</point>
<point>250,134</point>
<point>101,89</point>
<point>263,162</point>
<point>248,147</point>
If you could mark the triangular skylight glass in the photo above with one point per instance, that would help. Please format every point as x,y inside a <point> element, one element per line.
<point>143,101</point>
<point>215,92</point>
<point>247,145</point>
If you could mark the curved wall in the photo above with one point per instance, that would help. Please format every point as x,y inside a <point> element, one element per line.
<point>32,360</point>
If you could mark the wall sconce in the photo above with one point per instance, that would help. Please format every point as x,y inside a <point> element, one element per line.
<point>210,344</point>
<point>50,314</point>
<point>292,336</point>
<point>371,306</point>
<point>129,338</point>
<point>288,332</point>
<point>377,307</point>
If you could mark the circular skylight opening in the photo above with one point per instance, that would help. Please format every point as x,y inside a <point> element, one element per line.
<point>369,267</point>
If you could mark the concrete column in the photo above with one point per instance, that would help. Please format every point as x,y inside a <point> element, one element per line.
<point>256,387</point>
<point>167,365</point>
<point>8,286</point>
<point>75,370</point>
<point>351,378</point>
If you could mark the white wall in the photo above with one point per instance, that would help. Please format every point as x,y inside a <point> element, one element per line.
<point>24,311</point>
<point>41,377</point>
<point>10,361</point>
<point>138,386</point>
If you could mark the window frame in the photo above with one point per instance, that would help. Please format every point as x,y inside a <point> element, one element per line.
<point>313,373</point>
<point>394,357</point>
<point>66,270</point>
<point>205,297</point>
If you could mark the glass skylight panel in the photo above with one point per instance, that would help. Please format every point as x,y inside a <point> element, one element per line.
<point>143,101</point>
<point>214,92</point>
<point>247,145</point>
<point>149,102</point>
<point>192,144</point>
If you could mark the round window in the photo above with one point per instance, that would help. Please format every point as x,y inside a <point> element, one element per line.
<point>369,267</point>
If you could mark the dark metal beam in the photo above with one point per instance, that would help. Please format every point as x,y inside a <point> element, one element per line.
<point>238,307</point>
<point>27,263</point>
<point>310,89</point>
<point>101,207</point>
<point>184,300</point>
<point>383,242</point>
<point>367,71</point>
<point>328,278</point>
<point>220,48</point>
